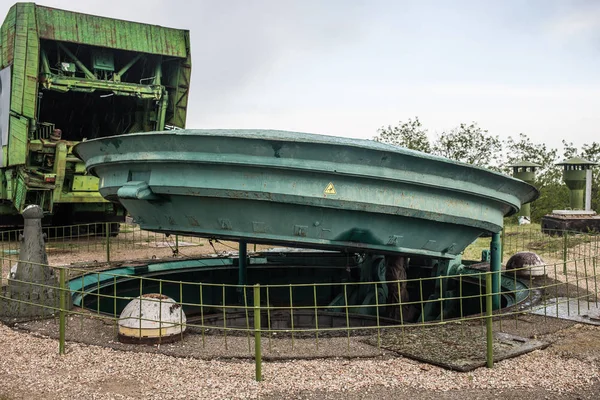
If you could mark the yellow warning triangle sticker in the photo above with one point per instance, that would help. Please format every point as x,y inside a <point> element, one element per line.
<point>330,189</point>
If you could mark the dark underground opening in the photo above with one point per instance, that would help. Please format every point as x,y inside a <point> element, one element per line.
<point>305,292</point>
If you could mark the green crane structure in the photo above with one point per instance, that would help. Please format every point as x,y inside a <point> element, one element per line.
<point>66,77</point>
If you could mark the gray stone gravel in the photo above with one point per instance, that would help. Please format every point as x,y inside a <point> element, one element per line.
<point>30,367</point>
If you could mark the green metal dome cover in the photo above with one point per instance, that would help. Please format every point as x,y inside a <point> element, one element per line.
<point>576,161</point>
<point>301,189</point>
<point>524,163</point>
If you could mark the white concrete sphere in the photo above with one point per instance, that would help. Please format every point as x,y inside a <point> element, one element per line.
<point>151,318</point>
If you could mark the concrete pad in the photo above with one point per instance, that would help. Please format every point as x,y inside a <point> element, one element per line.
<point>571,309</point>
<point>455,347</point>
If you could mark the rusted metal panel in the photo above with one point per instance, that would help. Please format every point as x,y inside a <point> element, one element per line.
<point>94,30</point>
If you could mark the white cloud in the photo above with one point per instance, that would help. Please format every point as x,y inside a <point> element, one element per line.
<point>576,24</point>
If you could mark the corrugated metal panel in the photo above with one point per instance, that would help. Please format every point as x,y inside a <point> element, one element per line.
<point>180,81</point>
<point>100,31</point>
<point>17,142</point>
<point>7,37</point>
<point>31,66</point>
<point>20,56</point>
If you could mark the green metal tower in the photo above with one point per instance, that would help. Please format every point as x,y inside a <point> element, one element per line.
<point>525,171</point>
<point>574,175</point>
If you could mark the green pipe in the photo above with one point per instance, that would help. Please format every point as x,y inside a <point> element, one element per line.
<point>162,110</point>
<point>495,267</point>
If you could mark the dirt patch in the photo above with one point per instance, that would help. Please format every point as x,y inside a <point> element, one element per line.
<point>579,341</point>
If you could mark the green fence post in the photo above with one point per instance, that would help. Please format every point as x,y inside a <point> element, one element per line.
<point>257,338</point>
<point>62,312</point>
<point>488,325</point>
<point>107,229</point>
<point>495,268</point>
<point>177,244</point>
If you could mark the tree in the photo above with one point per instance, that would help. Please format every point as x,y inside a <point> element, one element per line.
<point>591,151</point>
<point>473,145</point>
<point>569,151</point>
<point>407,134</point>
<point>470,144</point>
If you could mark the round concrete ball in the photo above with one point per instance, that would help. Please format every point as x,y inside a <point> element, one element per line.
<point>526,263</point>
<point>151,318</point>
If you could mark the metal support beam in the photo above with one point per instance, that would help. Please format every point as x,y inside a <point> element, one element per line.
<point>45,62</point>
<point>69,83</point>
<point>79,64</point>
<point>162,111</point>
<point>118,75</point>
<point>158,74</point>
<point>495,267</point>
<point>242,263</point>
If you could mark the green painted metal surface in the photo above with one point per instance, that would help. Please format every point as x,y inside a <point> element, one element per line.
<point>302,189</point>
<point>574,175</point>
<point>64,26</point>
<point>317,278</point>
<point>525,171</point>
<point>81,76</point>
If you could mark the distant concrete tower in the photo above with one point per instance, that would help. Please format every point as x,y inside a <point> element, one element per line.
<point>575,174</point>
<point>525,171</point>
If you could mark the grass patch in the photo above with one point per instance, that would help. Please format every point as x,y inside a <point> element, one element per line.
<point>530,238</point>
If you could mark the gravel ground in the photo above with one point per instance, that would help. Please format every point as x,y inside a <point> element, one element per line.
<point>30,367</point>
<point>213,345</point>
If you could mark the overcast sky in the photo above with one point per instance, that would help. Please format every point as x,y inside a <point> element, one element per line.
<point>349,67</point>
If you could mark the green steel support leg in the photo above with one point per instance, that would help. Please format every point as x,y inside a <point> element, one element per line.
<point>242,263</point>
<point>107,228</point>
<point>495,267</point>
